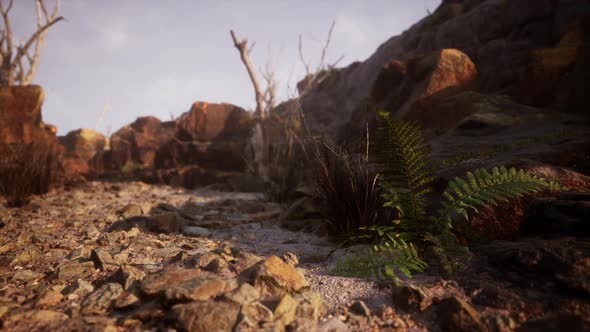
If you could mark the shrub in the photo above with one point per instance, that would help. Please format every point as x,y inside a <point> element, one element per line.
<point>26,170</point>
<point>407,178</point>
<point>286,171</point>
<point>349,187</point>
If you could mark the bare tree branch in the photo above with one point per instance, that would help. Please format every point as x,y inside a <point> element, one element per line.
<point>242,47</point>
<point>326,45</point>
<point>312,78</point>
<point>12,69</point>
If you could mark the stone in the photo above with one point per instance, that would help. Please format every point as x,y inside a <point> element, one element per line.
<point>195,231</point>
<point>558,217</point>
<point>20,115</point>
<point>100,300</point>
<point>37,316</point>
<point>246,293</point>
<point>209,122</point>
<point>49,298</point>
<point>157,283</point>
<point>311,306</point>
<point>290,258</point>
<point>410,298</point>
<point>199,289</point>
<point>285,311</point>
<point>81,146</point>
<point>212,262</point>
<point>80,288</point>
<point>126,300</point>
<point>75,270</point>
<point>26,275</point>
<point>275,277</point>
<point>165,223</point>
<point>454,314</point>
<point>255,316</point>
<point>130,210</point>
<point>136,144</point>
<point>128,276</point>
<point>80,254</point>
<point>333,325</point>
<point>103,260</point>
<point>206,316</point>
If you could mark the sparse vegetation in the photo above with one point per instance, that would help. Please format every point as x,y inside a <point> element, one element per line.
<point>349,187</point>
<point>26,170</point>
<point>406,180</point>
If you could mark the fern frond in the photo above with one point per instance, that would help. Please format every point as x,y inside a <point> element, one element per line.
<point>406,168</point>
<point>483,188</point>
<point>379,261</point>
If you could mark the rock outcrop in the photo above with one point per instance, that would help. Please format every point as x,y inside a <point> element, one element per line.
<point>515,46</point>
<point>203,146</point>
<point>81,146</point>
<point>21,120</point>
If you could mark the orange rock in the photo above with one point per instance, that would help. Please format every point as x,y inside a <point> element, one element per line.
<point>20,115</point>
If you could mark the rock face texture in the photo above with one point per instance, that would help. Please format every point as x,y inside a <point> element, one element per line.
<point>137,143</point>
<point>198,148</point>
<point>532,51</point>
<point>20,115</point>
<point>80,148</point>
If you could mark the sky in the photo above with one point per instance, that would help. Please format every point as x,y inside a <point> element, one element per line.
<point>153,57</point>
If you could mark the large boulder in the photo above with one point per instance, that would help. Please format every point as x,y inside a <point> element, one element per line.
<point>498,36</point>
<point>415,88</point>
<point>207,122</point>
<point>20,115</point>
<point>137,143</point>
<point>81,146</point>
<point>210,136</point>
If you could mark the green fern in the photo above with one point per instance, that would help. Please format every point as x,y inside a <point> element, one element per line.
<point>406,179</point>
<point>406,169</point>
<point>379,261</point>
<point>482,188</point>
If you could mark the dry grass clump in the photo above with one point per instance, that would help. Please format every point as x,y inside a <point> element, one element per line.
<point>26,170</point>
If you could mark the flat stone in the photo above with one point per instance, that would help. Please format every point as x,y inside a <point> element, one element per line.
<point>80,288</point>
<point>195,231</point>
<point>199,289</point>
<point>158,282</point>
<point>38,316</point>
<point>26,275</point>
<point>50,298</point>
<point>75,270</point>
<point>206,316</point>
<point>100,300</point>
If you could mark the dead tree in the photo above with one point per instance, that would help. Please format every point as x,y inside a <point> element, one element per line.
<point>244,50</point>
<point>264,102</point>
<point>313,77</point>
<point>12,56</point>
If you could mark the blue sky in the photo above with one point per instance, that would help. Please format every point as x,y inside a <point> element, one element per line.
<point>155,57</point>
